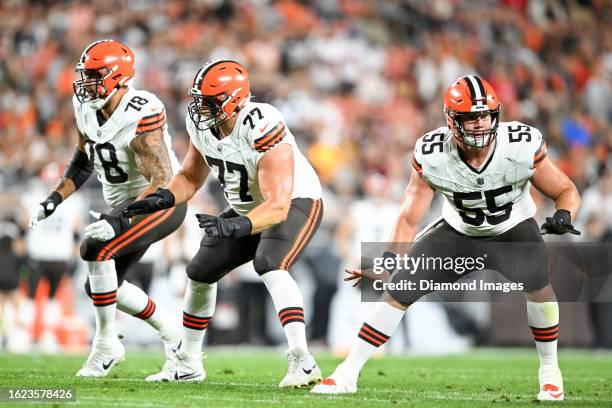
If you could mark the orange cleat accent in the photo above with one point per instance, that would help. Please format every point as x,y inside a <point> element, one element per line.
<point>328,381</point>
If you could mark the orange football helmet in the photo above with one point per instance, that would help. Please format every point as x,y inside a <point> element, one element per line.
<point>469,97</point>
<point>220,89</point>
<point>104,66</point>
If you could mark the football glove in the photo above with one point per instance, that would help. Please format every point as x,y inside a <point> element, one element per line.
<point>45,209</point>
<point>559,224</point>
<point>108,226</point>
<point>225,227</point>
<point>161,199</point>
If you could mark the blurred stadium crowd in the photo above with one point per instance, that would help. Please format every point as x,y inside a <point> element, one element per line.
<point>357,81</point>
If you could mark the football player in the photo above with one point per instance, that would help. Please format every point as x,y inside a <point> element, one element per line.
<point>484,168</point>
<point>123,137</point>
<point>275,208</point>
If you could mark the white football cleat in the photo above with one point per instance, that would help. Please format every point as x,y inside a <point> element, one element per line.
<point>303,369</point>
<point>170,350</point>
<point>551,384</point>
<point>340,382</point>
<point>103,357</point>
<point>181,368</point>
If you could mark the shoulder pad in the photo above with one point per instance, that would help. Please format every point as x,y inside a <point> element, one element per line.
<point>429,148</point>
<point>525,142</point>
<point>145,109</point>
<point>265,126</point>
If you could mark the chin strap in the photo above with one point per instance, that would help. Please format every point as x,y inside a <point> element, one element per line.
<point>100,103</point>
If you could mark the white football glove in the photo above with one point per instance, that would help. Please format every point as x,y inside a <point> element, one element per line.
<point>106,228</point>
<point>38,217</point>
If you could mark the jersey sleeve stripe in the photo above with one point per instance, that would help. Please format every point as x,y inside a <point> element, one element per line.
<point>540,155</point>
<point>151,118</point>
<point>416,165</point>
<point>267,142</point>
<point>161,121</point>
<point>270,134</point>
<point>542,147</point>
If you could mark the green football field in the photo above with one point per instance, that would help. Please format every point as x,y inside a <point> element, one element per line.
<point>247,378</point>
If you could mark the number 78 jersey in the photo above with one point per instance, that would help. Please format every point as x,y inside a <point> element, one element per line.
<point>490,200</point>
<point>108,144</point>
<point>234,159</point>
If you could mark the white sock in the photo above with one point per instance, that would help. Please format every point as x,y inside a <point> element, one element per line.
<point>380,325</point>
<point>103,284</point>
<point>289,305</point>
<point>133,300</point>
<point>544,323</point>
<point>199,307</point>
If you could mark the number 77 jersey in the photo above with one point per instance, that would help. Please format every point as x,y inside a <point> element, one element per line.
<point>489,200</point>
<point>234,159</point>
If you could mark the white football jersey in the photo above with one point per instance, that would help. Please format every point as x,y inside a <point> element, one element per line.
<point>108,145</point>
<point>493,199</point>
<point>234,159</point>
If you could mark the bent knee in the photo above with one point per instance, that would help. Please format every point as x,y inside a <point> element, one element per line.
<point>265,263</point>
<point>199,273</point>
<point>90,249</point>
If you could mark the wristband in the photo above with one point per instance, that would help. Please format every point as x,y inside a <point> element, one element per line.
<point>564,216</point>
<point>242,226</point>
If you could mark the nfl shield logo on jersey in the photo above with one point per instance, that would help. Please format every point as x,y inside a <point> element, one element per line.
<point>480,181</point>
<point>219,148</point>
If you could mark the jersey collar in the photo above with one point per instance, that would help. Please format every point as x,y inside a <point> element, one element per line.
<point>483,167</point>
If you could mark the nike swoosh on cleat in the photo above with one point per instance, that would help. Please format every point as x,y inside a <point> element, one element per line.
<point>309,371</point>
<point>556,395</point>
<point>185,376</point>
<point>107,364</point>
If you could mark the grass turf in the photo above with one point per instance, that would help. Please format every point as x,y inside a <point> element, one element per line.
<point>496,377</point>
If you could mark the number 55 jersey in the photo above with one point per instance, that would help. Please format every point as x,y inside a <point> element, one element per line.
<point>108,142</point>
<point>234,159</point>
<point>490,200</point>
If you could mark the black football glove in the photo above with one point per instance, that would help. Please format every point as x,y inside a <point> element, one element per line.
<point>225,227</point>
<point>161,199</point>
<point>560,223</point>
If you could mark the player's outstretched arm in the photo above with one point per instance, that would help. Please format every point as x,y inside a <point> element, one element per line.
<point>181,187</point>
<point>77,173</point>
<point>416,201</point>
<point>190,178</point>
<point>554,184</point>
